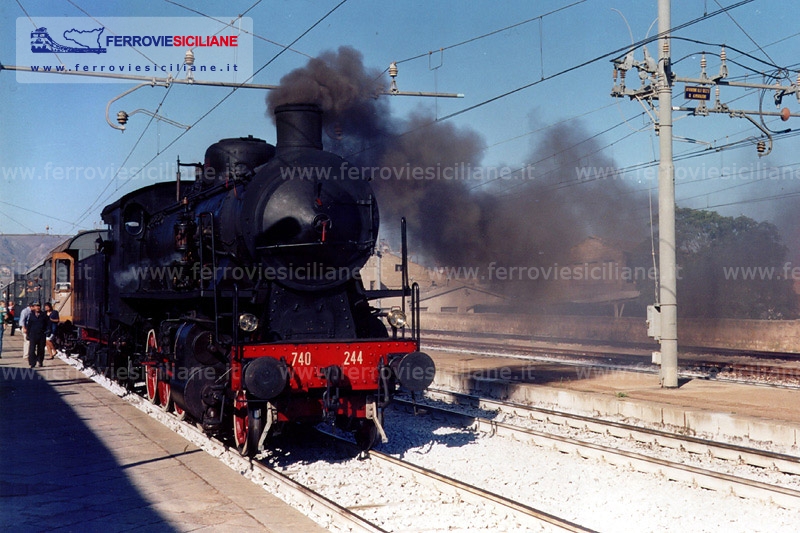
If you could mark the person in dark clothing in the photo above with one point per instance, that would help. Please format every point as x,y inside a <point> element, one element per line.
<point>36,327</point>
<point>50,337</point>
<point>11,318</point>
<point>2,324</point>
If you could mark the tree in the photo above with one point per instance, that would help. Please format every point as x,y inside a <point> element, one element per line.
<point>728,267</point>
<point>731,267</point>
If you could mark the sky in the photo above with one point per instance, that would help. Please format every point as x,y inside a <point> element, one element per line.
<point>527,71</point>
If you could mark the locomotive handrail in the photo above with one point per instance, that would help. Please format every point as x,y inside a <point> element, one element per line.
<point>365,245</point>
<point>236,355</point>
<point>415,312</point>
<point>404,253</point>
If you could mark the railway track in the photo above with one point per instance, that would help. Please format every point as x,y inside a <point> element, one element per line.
<point>722,367</point>
<point>476,495</point>
<point>639,349</point>
<point>702,477</point>
<point>290,482</point>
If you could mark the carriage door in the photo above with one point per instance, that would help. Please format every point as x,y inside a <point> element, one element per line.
<point>62,286</point>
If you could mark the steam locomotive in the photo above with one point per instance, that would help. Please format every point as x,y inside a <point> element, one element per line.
<point>237,296</point>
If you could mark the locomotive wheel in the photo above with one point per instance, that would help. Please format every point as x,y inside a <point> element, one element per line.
<point>240,425</point>
<point>179,412</point>
<point>247,428</point>
<point>151,372</point>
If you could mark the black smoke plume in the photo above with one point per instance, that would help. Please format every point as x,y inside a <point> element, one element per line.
<point>459,213</point>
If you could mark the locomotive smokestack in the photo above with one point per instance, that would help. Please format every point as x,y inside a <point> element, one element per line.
<point>298,126</point>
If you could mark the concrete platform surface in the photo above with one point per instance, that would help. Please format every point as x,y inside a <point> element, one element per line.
<point>698,406</point>
<point>75,457</point>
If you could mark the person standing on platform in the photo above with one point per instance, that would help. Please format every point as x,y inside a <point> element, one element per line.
<point>23,323</point>
<point>10,317</point>
<point>52,316</point>
<point>36,329</point>
<point>2,324</point>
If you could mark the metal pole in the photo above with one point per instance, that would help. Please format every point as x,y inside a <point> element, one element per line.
<point>666,207</point>
<point>153,81</point>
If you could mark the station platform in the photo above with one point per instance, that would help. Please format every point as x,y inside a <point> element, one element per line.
<point>701,407</point>
<point>75,457</point>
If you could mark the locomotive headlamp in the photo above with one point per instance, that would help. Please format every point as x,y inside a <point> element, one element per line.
<point>397,318</point>
<point>248,322</point>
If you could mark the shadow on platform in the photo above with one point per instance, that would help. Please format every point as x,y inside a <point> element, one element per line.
<point>55,474</point>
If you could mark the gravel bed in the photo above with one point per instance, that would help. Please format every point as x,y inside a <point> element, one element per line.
<point>395,501</point>
<point>649,449</point>
<point>586,491</point>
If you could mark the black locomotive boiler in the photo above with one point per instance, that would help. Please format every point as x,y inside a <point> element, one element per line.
<point>240,295</point>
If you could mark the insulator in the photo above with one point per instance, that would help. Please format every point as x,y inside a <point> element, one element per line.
<point>723,55</point>
<point>761,147</point>
<point>393,69</point>
<point>703,62</point>
<point>188,58</point>
<point>122,118</point>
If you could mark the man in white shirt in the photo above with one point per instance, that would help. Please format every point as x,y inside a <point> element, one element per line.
<point>23,324</point>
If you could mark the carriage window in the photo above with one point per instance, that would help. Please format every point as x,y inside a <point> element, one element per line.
<point>63,280</point>
<point>133,219</point>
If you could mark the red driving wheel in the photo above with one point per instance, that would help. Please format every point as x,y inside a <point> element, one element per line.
<point>240,422</point>
<point>165,395</point>
<point>151,372</point>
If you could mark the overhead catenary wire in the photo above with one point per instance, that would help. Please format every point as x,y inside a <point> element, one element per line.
<point>150,121</point>
<point>768,175</point>
<point>745,32</point>
<point>256,35</point>
<point>617,172</point>
<point>625,49</point>
<point>595,59</point>
<point>489,34</point>
<point>675,97</point>
<point>135,49</point>
<point>17,221</point>
<point>113,179</point>
<point>30,19</point>
<point>33,212</point>
<point>559,73</point>
<point>729,47</point>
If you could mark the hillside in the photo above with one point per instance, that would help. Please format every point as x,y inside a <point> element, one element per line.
<point>20,253</point>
